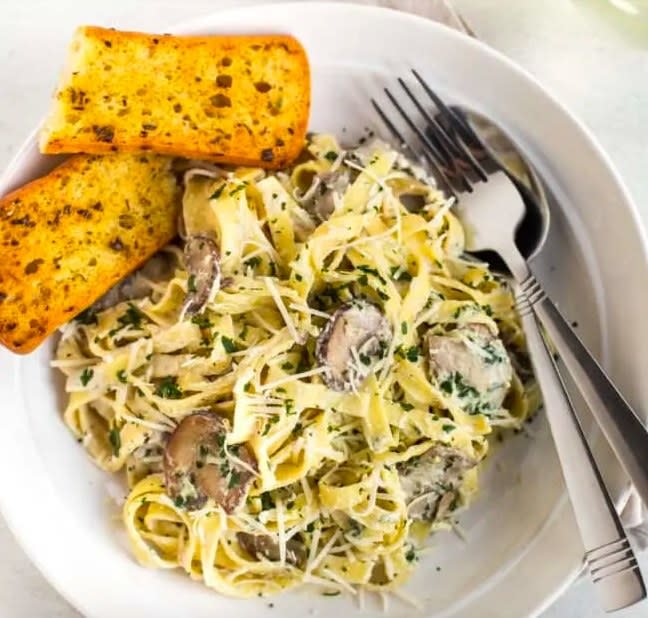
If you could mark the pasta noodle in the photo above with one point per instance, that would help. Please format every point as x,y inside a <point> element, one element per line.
<point>328,480</point>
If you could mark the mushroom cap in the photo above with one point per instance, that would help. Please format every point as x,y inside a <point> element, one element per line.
<point>264,546</point>
<point>323,202</point>
<point>159,267</point>
<point>196,465</point>
<point>318,199</point>
<point>437,474</point>
<point>472,364</point>
<point>352,342</point>
<point>201,257</point>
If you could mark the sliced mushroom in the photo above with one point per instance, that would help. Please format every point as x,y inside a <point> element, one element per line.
<point>413,202</point>
<point>159,268</point>
<point>194,167</point>
<point>379,575</point>
<point>202,263</point>
<point>197,465</point>
<point>431,482</point>
<point>264,546</point>
<point>319,200</point>
<point>472,365</point>
<point>197,216</point>
<point>353,341</point>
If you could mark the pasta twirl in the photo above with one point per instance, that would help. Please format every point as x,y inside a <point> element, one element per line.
<point>356,359</point>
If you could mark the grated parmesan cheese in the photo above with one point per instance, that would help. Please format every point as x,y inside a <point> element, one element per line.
<point>325,551</point>
<point>293,378</point>
<point>272,288</point>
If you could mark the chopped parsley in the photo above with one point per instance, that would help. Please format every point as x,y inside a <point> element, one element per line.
<point>235,479</point>
<point>132,317</point>
<point>399,275</point>
<point>191,284</point>
<point>463,389</point>
<point>87,316</point>
<point>446,386</point>
<point>168,388</point>
<point>253,262</point>
<point>412,354</point>
<point>331,156</point>
<point>448,428</point>
<point>287,366</point>
<point>121,376</point>
<point>410,555</point>
<point>355,528</point>
<point>455,384</point>
<point>404,328</point>
<point>266,501</point>
<point>86,376</point>
<point>236,190</point>
<point>202,321</point>
<point>224,468</point>
<point>493,355</point>
<point>216,194</point>
<point>459,310</point>
<point>406,406</point>
<point>114,437</point>
<point>372,271</point>
<point>229,345</point>
<point>269,423</point>
<point>331,594</point>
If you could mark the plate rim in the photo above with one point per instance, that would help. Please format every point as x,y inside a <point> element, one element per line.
<point>10,514</point>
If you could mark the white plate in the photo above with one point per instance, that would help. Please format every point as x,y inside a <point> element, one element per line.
<point>522,546</point>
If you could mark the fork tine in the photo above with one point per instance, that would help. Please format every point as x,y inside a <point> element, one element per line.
<point>477,147</point>
<point>429,146</point>
<point>401,139</point>
<point>390,125</point>
<point>457,124</point>
<point>465,160</point>
<point>457,156</point>
<point>441,136</point>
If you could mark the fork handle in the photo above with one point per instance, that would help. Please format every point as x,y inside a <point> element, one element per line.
<point>621,426</point>
<point>608,554</point>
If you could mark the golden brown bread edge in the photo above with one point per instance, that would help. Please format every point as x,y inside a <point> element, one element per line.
<point>68,237</point>
<point>241,100</point>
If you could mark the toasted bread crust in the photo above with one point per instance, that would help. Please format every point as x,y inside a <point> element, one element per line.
<point>241,100</point>
<point>70,236</point>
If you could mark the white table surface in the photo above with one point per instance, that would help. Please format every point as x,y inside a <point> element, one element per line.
<point>598,69</point>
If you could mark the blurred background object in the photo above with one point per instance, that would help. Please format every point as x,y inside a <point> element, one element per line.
<point>629,17</point>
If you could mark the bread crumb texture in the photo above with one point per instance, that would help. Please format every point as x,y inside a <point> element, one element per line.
<point>241,100</point>
<point>68,237</point>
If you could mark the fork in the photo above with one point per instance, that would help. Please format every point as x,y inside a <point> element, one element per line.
<point>488,201</point>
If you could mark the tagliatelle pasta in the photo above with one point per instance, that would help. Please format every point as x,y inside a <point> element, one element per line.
<point>340,378</point>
